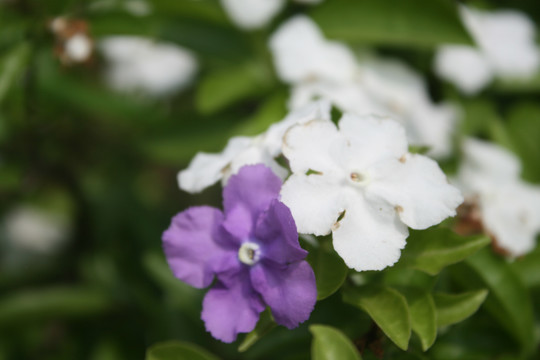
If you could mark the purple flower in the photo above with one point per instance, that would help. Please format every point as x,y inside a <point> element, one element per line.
<point>253,251</point>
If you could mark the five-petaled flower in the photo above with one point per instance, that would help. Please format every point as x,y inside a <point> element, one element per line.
<point>251,249</point>
<point>361,183</point>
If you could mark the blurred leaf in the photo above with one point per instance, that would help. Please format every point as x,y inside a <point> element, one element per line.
<point>387,307</point>
<point>433,249</point>
<point>270,111</point>
<point>454,308</point>
<point>528,268</point>
<point>509,301</point>
<point>523,127</point>
<point>264,326</point>
<point>226,87</point>
<point>330,270</point>
<point>423,315</point>
<point>331,344</point>
<point>175,350</point>
<point>530,84</point>
<point>52,303</point>
<point>423,23</point>
<point>209,10</point>
<point>12,66</point>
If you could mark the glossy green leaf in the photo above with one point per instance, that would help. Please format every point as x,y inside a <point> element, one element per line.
<point>528,268</point>
<point>331,344</point>
<point>423,315</point>
<point>11,67</point>
<point>175,350</point>
<point>265,324</point>
<point>387,307</point>
<point>226,87</point>
<point>412,22</point>
<point>330,270</point>
<point>454,308</point>
<point>509,301</point>
<point>433,249</point>
<point>52,303</point>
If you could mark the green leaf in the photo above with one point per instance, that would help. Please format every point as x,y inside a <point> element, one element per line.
<point>433,249</point>
<point>223,88</point>
<point>270,111</point>
<point>423,315</point>
<point>509,301</point>
<point>330,270</point>
<point>413,22</point>
<point>175,350</point>
<point>387,307</point>
<point>12,66</point>
<point>264,326</point>
<point>52,303</point>
<point>454,308</point>
<point>331,344</point>
<point>528,268</point>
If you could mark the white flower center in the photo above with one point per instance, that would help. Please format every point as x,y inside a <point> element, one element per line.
<point>358,178</point>
<point>249,253</point>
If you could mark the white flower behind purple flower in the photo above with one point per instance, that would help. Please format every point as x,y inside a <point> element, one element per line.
<point>252,250</point>
<point>361,183</point>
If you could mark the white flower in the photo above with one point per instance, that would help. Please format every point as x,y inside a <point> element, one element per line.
<point>509,207</point>
<point>318,68</point>
<point>506,49</point>
<point>207,169</point>
<point>363,173</point>
<point>140,64</point>
<point>252,14</point>
<point>78,48</point>
<point>301,53</point>
<point>32,229</point>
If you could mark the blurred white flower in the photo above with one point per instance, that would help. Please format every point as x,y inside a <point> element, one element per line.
<point>252,14</point>
<point>78,48</point>
<point>140,64</point>
<point>506,49</point>
<point>207,169</point>
<point>318,68</point>
<point>361,183</point>
<point>31,229</point>
<point>509,207</point>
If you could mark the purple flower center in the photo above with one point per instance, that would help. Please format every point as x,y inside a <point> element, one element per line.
<point>249,253</point>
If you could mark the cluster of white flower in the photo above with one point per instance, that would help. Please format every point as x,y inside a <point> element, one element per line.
<point>318,68</point>
<point>357,180</point>
<point>506,49</point>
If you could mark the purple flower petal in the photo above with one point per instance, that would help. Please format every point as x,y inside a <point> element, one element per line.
<point>276,233</point>
<point>238,225</point>
<point>190,245</point>
<point>253,188</point>
<point>290,291</point>
<point>230,310</point>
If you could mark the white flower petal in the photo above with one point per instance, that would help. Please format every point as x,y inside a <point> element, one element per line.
<point>273,138</point>
<point>207,169</point>
<point>301,52</point>
<point>417,188</point>
<point>311,146</point>
<point>315,202</point>
<point>370,235</point>
<point>252,14</point>
<point>371,139</point>
<point>464,66</point>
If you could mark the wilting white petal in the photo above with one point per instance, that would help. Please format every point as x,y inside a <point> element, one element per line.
<point>252,14</point>
<point>417,188</point>
<point>370,236</point>
<point>301,53</point>
<point>464,66</point>
<point>315,201</point>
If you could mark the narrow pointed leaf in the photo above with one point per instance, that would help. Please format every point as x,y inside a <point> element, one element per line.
<point>387,307</point>
<point>175,350</point>
<point>331,344</point>
<point>432,250</point>
<point>264,326</point>
<point>454,308</point>
<point>423,315</point>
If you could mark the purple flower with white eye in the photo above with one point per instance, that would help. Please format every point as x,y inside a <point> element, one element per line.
<point>251,248</point>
